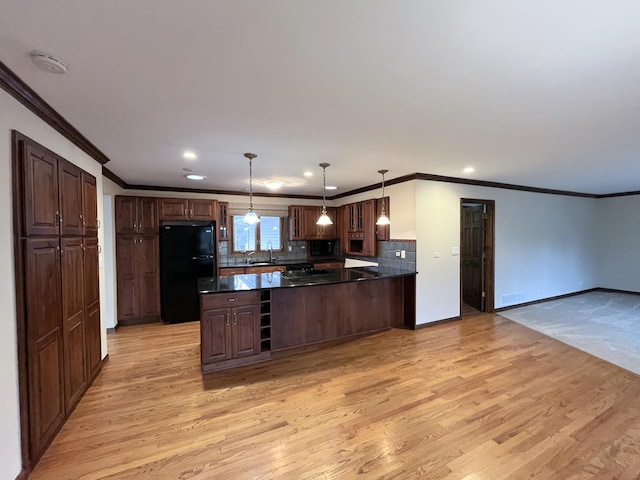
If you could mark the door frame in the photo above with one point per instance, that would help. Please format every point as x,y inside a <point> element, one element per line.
<point>489,241</point>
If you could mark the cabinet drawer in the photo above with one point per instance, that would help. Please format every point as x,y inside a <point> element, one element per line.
<point>228,300</point>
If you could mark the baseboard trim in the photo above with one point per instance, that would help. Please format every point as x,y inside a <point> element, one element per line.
<point>437,322</point>
<point>548,299</point>
<point>615,290</point>
<point>127,322</point>
<point>113,329</point>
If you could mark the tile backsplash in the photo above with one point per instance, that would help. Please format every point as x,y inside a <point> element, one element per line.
<point>387,258</point>
<point>296,251</point>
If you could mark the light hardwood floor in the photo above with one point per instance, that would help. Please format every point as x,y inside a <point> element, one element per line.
<point>483,398</point>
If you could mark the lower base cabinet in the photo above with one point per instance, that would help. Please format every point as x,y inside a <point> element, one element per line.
<point>230,330</point>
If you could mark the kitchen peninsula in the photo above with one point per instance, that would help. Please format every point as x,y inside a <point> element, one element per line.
<point>244,318</point>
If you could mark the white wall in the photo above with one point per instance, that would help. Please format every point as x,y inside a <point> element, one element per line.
<point>402,208</point>
<point>13,116</point>
<point>544,245</point>
<point>618,231</point>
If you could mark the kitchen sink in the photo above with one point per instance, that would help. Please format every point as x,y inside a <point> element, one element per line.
<point>260,264</point>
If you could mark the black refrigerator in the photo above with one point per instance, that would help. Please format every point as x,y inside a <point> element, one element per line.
<point>187,253</point>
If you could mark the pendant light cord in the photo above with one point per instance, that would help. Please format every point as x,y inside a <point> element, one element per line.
<point>251,184</point>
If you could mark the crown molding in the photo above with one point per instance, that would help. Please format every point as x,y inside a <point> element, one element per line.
<point>157,188</point>
<point>13,85</point>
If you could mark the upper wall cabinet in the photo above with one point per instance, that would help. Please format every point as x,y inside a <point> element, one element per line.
<point>185,209</point>
<point>59,197</point>
<point>303,226</point>
<point>361,236</point>
<point>89,206</point>
<point>137,215</point>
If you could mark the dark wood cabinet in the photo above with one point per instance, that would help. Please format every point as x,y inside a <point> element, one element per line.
<point>59,197</point>
<point>92,307</point>
<point>361,228</point>
<point>230,328</point>
<point>295,223</point>
<point>224,221</point>
<point>89,206</point>
<point>70,192</point>
<point>382,231</point>
<point>303,226</point>
<point>73,316</point>
<point>138,279</point>
<point>137,215</point>
<point>45,375</point>
<point>40,185</point>
<point>60,285</point>
<point>187,209</point>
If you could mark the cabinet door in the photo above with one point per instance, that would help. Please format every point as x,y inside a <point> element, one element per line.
<point>92,307</point>
<point>126,216</point>
<point>223,221</point>
<point>70,195</point>
<point>382,231</point>
<point>204,210</point>
<point>368,212</point>
<point>344,228</point>
<point>215,335</point>
<point>328,232</point>
<point>310,229</point>
<point>89,206</point>
<point>72,268</point>
<point>148,259</point>
<point>245,330</point>
<point>40,177</point>
<point>295,223</point>
<point>174,209</point>
<point>126,276</point>
<point>147,215</point>
<point>44,341</point>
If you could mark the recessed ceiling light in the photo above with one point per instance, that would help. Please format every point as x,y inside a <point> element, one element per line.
<point>189,155</point>
<point>308,174</point>
<point>273,184</point>
<point>195,176</point>
<point>469,170</point>
<point>330,187</point>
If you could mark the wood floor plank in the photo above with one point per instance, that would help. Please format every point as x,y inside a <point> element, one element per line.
<point>480,398</point>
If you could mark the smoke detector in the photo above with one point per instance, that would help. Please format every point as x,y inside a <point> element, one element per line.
<point>49,62</point>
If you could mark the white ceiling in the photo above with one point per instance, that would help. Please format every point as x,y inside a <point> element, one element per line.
<point>538,93</point>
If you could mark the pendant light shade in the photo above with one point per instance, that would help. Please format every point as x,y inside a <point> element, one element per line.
<point>251,217</point>
<point>383,219</point>
<point>324,218</point>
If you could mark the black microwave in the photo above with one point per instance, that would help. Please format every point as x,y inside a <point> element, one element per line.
<point>321,248</point>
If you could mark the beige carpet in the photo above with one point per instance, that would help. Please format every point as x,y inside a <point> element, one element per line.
<point>604,324</point>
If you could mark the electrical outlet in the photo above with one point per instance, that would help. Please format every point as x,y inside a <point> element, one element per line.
<point>436,254</point>
<point>403,253</point>
<point>397,253</point>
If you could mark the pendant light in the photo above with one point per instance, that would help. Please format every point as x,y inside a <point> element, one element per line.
<point>324,218</point>
<point>251,218</point>
<point>383,219</point>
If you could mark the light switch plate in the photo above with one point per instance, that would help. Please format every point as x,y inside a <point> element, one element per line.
<point>455,250</point>
<point>403,253</point>
<point>436,254</point>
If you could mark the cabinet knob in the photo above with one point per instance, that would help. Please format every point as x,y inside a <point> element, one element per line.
<point>235,318</point>
<point>232,299</point>
<point>135,227</point>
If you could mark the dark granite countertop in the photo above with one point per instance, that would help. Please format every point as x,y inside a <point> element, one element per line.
<point>234,283</point>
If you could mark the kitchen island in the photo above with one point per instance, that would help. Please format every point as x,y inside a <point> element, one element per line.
<point>244,318</point>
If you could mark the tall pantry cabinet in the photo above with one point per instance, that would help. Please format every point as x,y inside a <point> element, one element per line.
<point>58,233</point>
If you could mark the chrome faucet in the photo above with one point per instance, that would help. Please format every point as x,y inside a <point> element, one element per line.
<point>272,259</point>
<point>248,256</point>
